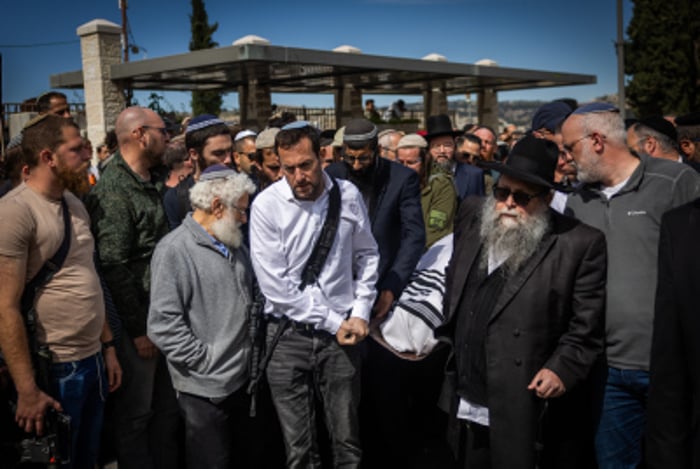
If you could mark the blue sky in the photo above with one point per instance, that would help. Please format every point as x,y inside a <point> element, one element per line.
<point>563,35</point>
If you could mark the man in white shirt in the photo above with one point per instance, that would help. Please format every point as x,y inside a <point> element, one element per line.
<point>316,352</point>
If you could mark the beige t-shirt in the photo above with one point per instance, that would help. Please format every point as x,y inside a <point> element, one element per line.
<point>70,308</point>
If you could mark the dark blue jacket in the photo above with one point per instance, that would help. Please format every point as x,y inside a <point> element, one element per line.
<point>397,221</point>
<point>469,180</point>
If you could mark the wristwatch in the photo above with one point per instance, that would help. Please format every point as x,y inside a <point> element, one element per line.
<point>108,344</point>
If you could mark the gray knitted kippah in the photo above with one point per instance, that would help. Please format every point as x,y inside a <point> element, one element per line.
<point>359,130</point>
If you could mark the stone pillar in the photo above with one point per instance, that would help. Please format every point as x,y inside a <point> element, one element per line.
<point>487,108</point>
<point>348,104</point>
<point>255,105</point>
<point>434,100</point>
<point>100,47</point>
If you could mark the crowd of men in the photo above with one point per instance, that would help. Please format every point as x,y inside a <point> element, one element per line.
<point>220,297</point>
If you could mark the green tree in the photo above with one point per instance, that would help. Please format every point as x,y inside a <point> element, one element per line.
<point>662,57</point>
<point>203,102</point>
<point>154,103</point>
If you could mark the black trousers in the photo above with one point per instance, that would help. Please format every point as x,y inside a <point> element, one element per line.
<point>474,448</point>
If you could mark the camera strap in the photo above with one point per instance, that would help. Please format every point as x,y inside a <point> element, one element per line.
<point>44,276</point>
<point>323,245</point>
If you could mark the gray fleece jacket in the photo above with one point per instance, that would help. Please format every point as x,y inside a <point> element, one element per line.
<point>197,316</point>
<point>630,220</point>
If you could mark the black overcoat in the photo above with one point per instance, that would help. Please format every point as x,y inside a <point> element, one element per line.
<point>549,314</point>
<point>673,431</point>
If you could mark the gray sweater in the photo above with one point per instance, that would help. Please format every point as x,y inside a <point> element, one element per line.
<point>630,220</point>
<point>198,310</point>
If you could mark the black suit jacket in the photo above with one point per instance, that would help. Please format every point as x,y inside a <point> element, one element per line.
<point>548,315</point>
<point>397,221</point>
<point>673,436</point>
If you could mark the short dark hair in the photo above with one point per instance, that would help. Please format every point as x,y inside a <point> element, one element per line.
<point>467,137</point>
<point>43,102</point>
<point>175,153</point>
<point>287,138</point>
<point>11,167</point>
<point>111,141</point>
<point>197,139</point>
<point>46,133</point>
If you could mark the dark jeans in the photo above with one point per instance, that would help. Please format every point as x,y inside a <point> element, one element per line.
<point>211,429</point>
<point>81,388</point>
<point>306,366</point>
<point>618,439</point>
<point>147,417</point>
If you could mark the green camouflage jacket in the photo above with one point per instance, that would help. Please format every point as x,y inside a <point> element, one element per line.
<point>128,220</point>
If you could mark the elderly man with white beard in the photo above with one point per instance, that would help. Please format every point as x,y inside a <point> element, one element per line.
<point>523,306</point>
<point>201,287</point>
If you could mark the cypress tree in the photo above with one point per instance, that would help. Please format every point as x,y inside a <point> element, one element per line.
<point>203,102</point>
<point>662,56</point>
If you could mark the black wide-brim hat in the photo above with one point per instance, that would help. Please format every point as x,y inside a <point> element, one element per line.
<point>439,125</point>
<point>531,160</point>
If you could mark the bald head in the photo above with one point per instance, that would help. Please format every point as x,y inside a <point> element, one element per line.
<point>132,118</point>
<point>142,137</point>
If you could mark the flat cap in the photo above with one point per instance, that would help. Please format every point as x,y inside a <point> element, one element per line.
<point>266,138</point>
<point>411,141</point>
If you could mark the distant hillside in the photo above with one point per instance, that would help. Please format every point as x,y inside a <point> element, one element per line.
<point>517,112</point>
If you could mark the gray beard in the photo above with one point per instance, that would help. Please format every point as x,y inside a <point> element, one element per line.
<point>228,231</point>
<point>515,242</point>
<point>445,165</point>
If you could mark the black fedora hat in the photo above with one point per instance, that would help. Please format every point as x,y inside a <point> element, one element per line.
<point>440,125</point>
<point>531,160</point>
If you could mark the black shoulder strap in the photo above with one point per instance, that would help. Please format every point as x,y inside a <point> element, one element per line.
<point>324,242</point>
<point>51,266</point>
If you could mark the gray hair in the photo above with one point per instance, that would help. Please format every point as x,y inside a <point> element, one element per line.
<point>609,124</point>
<point>229,189</point>
<point>667,145</point>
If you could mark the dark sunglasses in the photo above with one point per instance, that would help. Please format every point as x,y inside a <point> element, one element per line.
<point>520,198</point>
<point>360,159</point>
<point>162,130</point>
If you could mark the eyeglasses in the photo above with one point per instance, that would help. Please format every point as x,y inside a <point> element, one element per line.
<point>569,147</point>
<point>446,145</point>
<point>162,130</point>
<point>520,198</point>
<point>241,211</point>
<point>362,159</point>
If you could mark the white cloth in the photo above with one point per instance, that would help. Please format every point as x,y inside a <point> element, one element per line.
<point>559,201</point>
<point>283,231</point>
<point>473,412</point>
<point>409,326</point>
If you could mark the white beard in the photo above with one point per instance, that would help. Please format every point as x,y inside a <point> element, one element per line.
<point>228,231</point>
<point>514,237</point>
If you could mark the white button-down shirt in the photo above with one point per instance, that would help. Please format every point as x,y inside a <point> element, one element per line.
<point>283,232</point>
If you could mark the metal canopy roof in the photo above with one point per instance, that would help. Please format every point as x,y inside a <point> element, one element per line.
<point>291,70</point>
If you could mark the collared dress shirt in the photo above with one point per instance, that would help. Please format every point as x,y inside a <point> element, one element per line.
<point>283,232</point>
